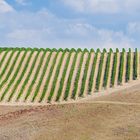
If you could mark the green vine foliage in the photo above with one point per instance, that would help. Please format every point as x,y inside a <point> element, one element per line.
<point>113,75</point>
<point>71,74</point>
<point>12,80</point>
<point>29,74</point>
<point>135,74</point>
<point>11,69</point>
<point>3,58</point>
<point>128,66</point>
<point>100,70</point>
<point>36,74</point>
<point>15,74</point>
<point>93,70</point>
<point>107,68</point>
<point>121,68</point>
<point>8,62</point>
<point>78,74</point>
<point>64,74</point>
<point>49,76</point>
<point>43,74</point>
<point>56,76</point>
<point>12,85</point>
<point>85,72</point>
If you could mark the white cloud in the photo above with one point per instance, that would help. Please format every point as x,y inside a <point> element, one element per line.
<point>103,6</point>
<point>133,28</point>
<point>5,7</point>
<point>23,34</point>
<point>43,29</point>
<point>22,2</point>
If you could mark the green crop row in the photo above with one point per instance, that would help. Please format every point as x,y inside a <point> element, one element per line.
<point>16,73</point>
<point>49,76</point>
<point>11,69</point>
<point>78,74</point>
<point>128,66</point>
<point>121,68</point>
<point>71,74</point>
<point>64,74</point>
<point>135,74</point>
<point>42,75</point>
<point>56,76</point>
<point>36,74</point>
<point>113,75</point>
<point>21,76</point>
<point>28,76</point>
<point>85,72</point>
<point>100,70</point>
<point>93,70</point>
<point>12,80</point>
<point>107,68</point>
<point>7,64</point>
<point>3,58</point>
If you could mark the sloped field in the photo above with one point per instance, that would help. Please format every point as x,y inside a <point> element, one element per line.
<point>112,117</point>
<point>49,76</point>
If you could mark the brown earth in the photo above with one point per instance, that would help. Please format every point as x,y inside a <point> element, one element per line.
<point>112,117</point>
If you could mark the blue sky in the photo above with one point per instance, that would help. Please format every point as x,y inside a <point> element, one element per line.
<point>70,23</point>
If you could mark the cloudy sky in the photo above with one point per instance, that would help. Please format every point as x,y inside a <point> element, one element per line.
<point>70,23</point>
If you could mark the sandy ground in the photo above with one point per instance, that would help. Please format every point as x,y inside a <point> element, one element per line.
<point>112,117</point>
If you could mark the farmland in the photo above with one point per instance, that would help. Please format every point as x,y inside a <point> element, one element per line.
<point>52,76</point>
<point>69,94</point>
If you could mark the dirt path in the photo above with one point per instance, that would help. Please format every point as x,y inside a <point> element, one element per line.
<point>112,102</point>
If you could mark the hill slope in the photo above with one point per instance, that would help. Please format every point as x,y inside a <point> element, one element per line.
<point>49,76</point>
<point>112,117</point>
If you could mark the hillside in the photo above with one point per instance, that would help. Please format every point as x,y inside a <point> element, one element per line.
<point>49,76</point>
<point>112,117</point>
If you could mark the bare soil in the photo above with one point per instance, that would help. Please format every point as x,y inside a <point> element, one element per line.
<point>111,117</point>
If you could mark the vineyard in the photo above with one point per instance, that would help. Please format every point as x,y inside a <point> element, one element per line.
<point>50,75</point>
